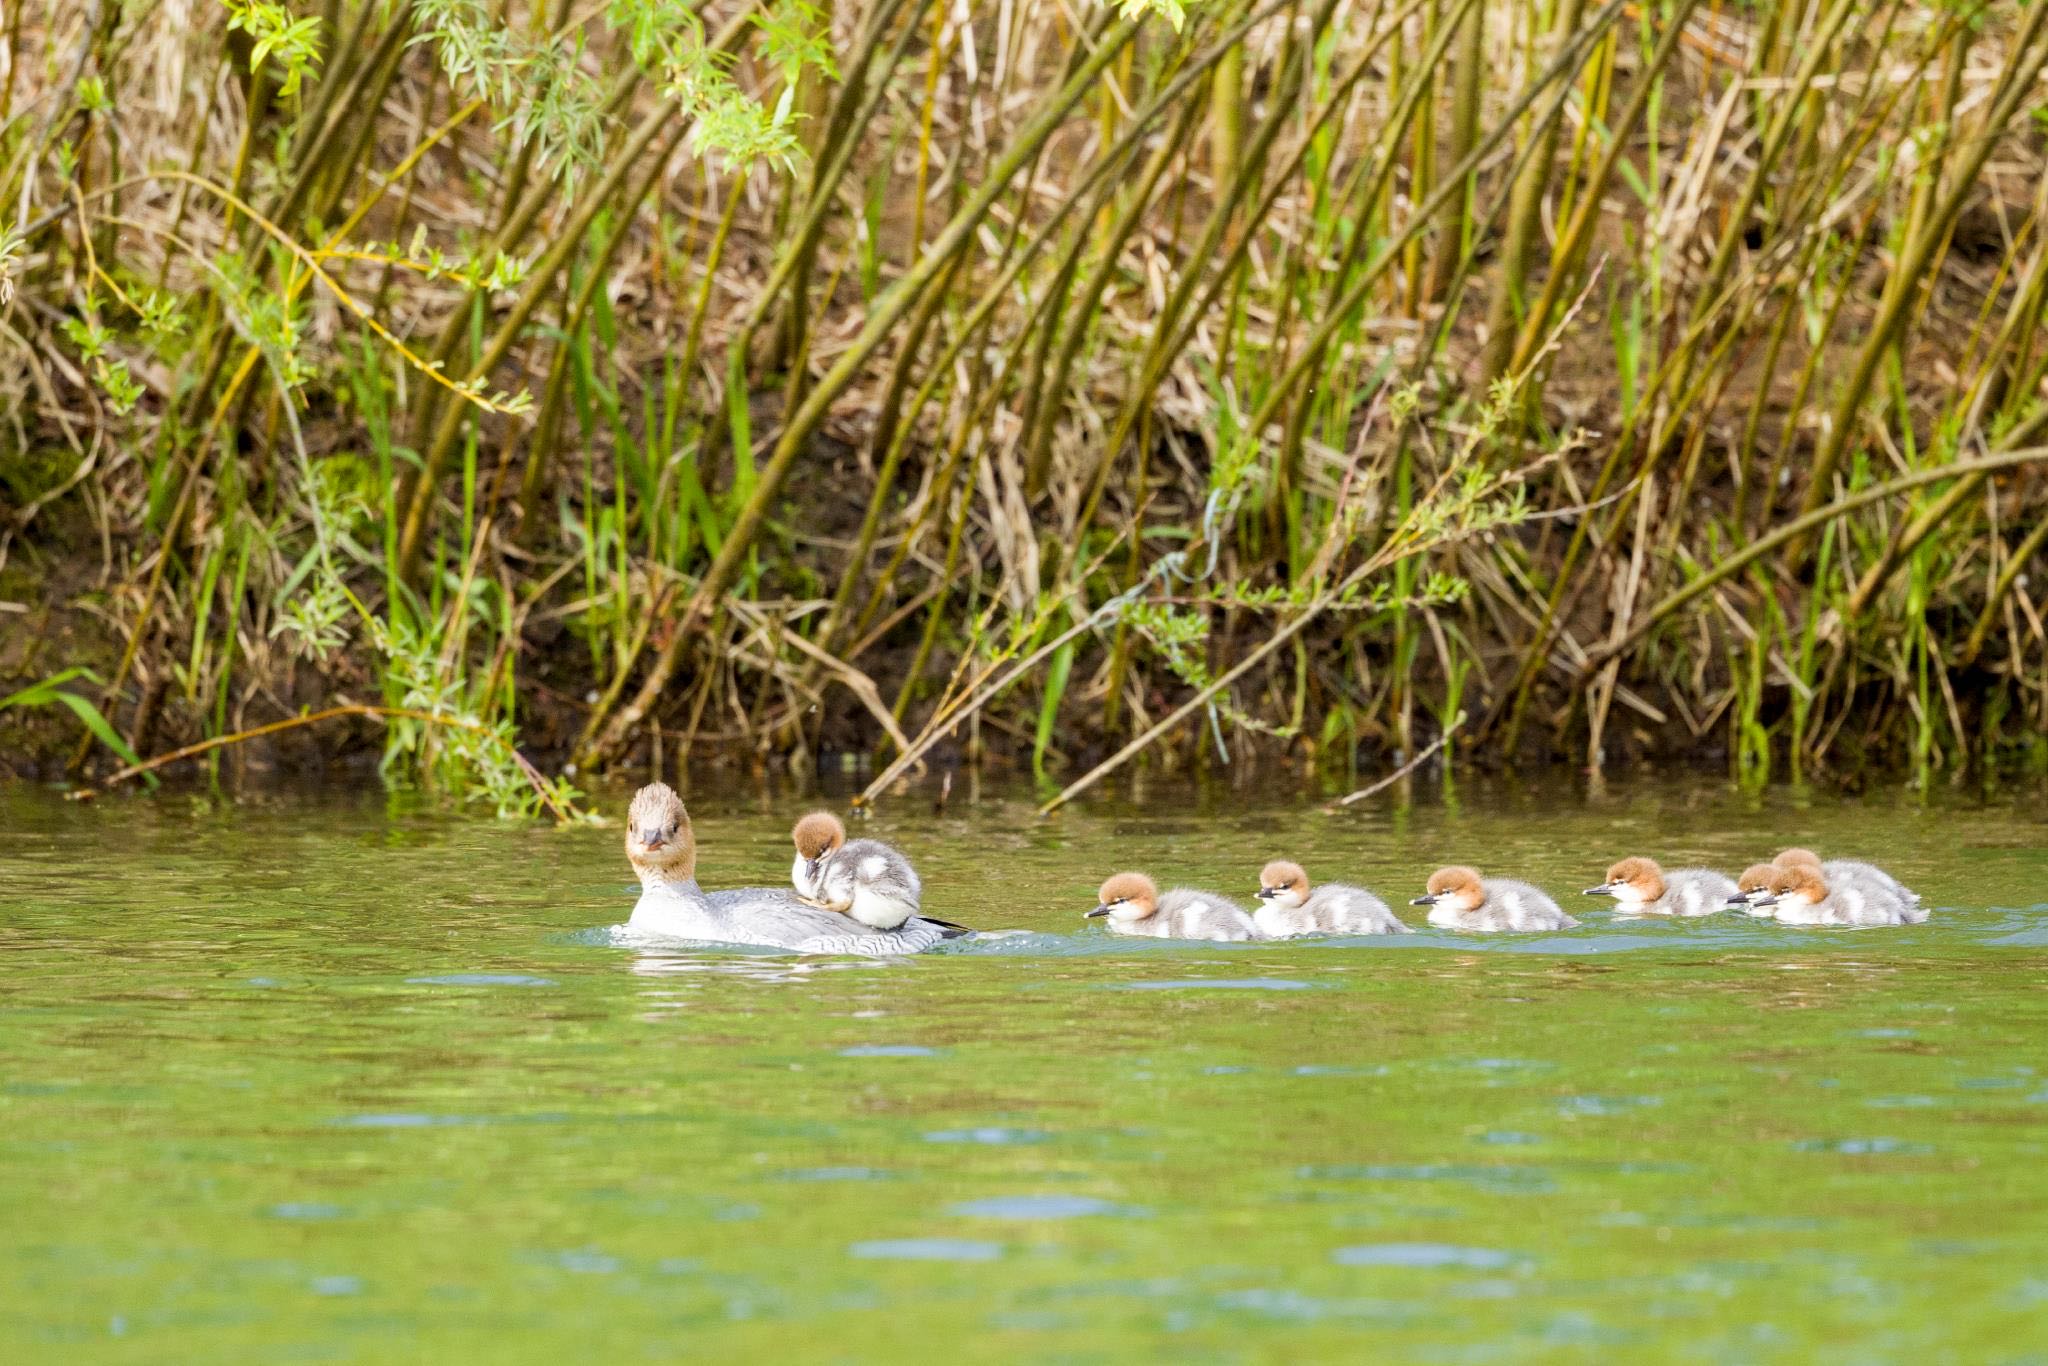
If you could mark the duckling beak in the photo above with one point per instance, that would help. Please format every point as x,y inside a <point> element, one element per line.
<point>1761,899</point>
<point>653,839</point>
<point>1268,893</point>
<point>1427,899</point>
<point>1097,913</point>
<point>1604,889</point>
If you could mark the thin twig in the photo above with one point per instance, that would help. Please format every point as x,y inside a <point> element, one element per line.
<point>1404,770</point>
<point>325,714</point>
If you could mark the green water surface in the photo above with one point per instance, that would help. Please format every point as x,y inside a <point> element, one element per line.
<point>325,1080</point>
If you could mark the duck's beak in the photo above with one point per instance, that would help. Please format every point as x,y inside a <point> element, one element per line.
<point>1761,899</point>
<point>1604,889</point>
<point>811,867</point>
<point>1426,899</point>
<point>653,839</point>
<point>1098,912</point>
<point>1268,893</point>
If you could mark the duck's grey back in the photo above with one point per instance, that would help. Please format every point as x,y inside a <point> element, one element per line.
<point>1512,905</point>
<point>1695,891</point>
<point>774,918</point>
<point>1185,913</point>
<point>1332,908</point>
<point>1870,903</point>
<point>1870,876</point>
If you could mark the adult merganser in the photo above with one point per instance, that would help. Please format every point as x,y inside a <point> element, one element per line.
<point>663,850</point>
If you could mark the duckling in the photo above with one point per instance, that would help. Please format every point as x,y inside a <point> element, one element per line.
<point>1291,908</point>
<point>1752,890</point>
<point>1134,905</point>
<point>816,836</point>
<point>1459,899</point>
<point>662,848</point>
<point>1640,887</point>
<point>865,879</point>
<point>1844,870</point>
<point>1802,895</point>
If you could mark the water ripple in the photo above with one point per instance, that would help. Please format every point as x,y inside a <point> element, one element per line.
<point>1864,1147</point>
<point>1040,1207</point>
<point>1422,1255</point>
<point>1505,1179</point>
<point>993,1135</point>
<point>927,1250</point>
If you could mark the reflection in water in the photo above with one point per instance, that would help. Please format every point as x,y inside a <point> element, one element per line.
<point>330,1095</point>
<point>750,967</point>
<point>1220,984</point>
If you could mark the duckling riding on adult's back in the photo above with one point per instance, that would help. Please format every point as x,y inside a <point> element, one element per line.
<point>866,879</point>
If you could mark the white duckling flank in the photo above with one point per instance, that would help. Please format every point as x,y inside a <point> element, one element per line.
<point>1289,906</point>
<point>1802,895</point>
<point>663,850</point>
<point>1640,887</point>
<point>1133,904</point>
<point>865,879</point>
<point>1841,871</point>
<point>1460,899</point>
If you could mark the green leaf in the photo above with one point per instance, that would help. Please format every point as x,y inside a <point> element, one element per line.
<point>50,691</point>
<point>1049,706</point>
<point>97,724</point>
<point>37,695</point>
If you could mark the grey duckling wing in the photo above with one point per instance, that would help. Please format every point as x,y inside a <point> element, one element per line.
<point>870,864</point>
<point>1526,907</point>
<point>1192,914</point>
<point>1338,908</point>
